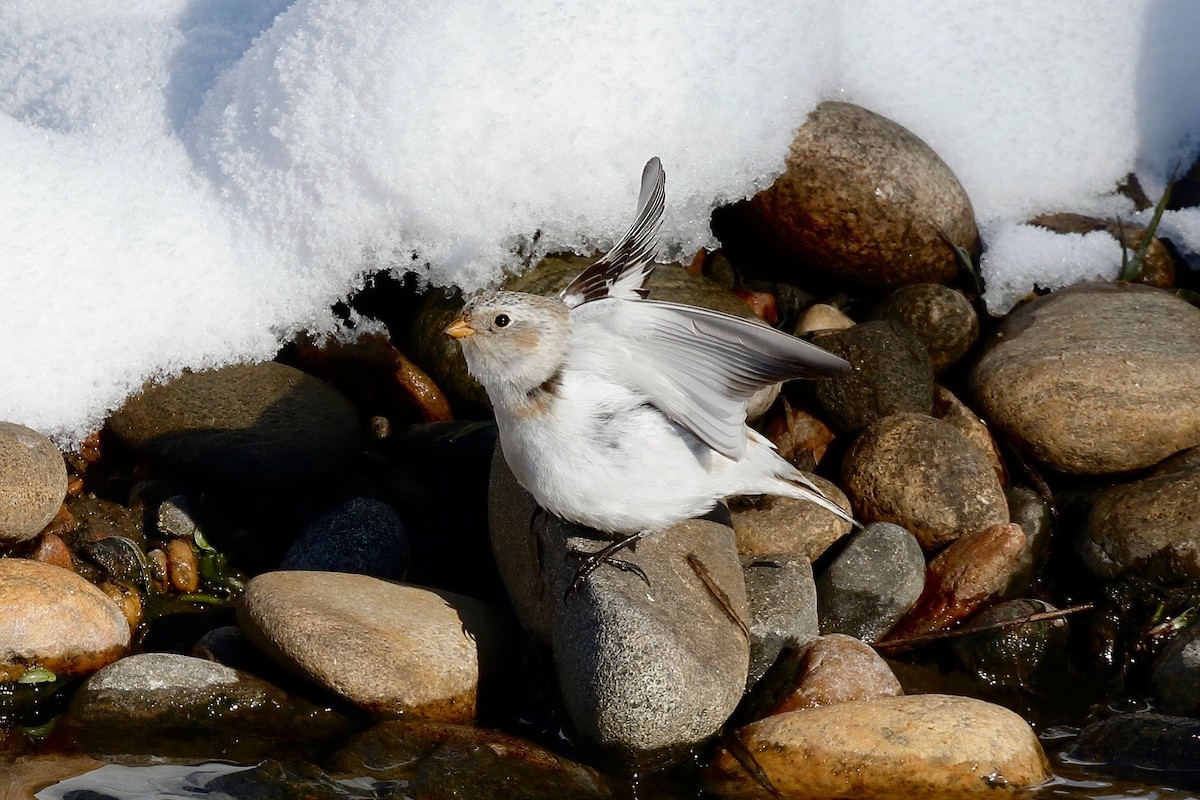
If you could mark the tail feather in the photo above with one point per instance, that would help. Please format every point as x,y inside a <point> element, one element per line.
<point>804,489</point>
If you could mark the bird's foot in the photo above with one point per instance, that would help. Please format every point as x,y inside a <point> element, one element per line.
<point>605,555</point>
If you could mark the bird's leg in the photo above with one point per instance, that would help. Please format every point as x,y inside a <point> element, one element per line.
<point>605,556</point>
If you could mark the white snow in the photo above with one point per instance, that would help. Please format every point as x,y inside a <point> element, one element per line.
<point>190,182</point>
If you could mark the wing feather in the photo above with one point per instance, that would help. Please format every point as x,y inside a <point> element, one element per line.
<point>624,270</point>
<point>699,367</point>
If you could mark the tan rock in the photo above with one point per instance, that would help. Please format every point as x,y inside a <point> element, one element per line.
<point>822,317</point>
<point>55,619</point>
<point>768,524</point>
<point>891,748</point>
<point>33,482</point>
<point>924,475</point>
<point>949,408</point>
<point>1096,378</point>
<point>863,198</point>
<point>389,648</point>
<point>1148,527</point>
<point>840,669</point>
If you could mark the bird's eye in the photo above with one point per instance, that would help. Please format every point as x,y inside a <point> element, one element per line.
<point>501,320</point>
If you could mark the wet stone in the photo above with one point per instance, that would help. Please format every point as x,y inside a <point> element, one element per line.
<point>52,550</point>
<point>363,536</point>
<point>1148,527</point>
<point>1029,655</point>
<point>871,583</point>
<point>33,482</point>
<point>151,701</point>
<point>119,557</point>
<point>55,619</point>
<point>783,607</point>
<point>969,575</point>
<point>1027,509</point>
<point>892,373</point>
<point>436,759</point>
<point>1176,676</point>
<point>183,566</point>
<point>891,748</point>
<point>176,518</point>
<point>1150,747</point>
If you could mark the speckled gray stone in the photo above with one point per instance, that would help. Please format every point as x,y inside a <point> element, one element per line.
<point>783,607</point>
<point>871,583</point>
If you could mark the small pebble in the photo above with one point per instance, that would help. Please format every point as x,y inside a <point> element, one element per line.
<point>183,567</point>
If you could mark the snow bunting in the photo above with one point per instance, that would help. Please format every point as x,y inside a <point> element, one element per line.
<point>626,414</point>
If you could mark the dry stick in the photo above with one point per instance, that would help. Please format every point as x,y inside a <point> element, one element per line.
<point>909,642</point>
<point>722,599</point>
<point>737,748</point>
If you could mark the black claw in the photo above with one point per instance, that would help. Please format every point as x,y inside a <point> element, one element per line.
<point>605,555</point>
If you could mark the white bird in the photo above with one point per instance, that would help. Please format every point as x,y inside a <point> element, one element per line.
<point>625,414</point>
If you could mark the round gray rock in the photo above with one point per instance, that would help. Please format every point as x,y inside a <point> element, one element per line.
<point>263,426</point>
<point>648,670</point>
<point>1149,527</point>
<point>864,199</point>
<point>33,482</point>
<point>783,607</point>
<point>55,619</point>
<point>892,373</point>
<point>386,647</point>
<point>923,474</point>
<point>1096,378</point>
<point>871,583</point>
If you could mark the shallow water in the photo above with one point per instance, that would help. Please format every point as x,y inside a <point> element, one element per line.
<point>66,777</point>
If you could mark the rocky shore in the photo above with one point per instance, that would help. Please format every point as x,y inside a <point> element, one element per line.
<point>321,568</point>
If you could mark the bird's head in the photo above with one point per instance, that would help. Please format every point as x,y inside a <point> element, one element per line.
<point>513,342</point>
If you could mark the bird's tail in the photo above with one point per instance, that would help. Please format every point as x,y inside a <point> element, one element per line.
<point>802,488</point>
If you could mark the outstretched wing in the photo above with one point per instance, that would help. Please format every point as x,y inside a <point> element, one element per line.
<point>697,366</point>
<point>624,270</point>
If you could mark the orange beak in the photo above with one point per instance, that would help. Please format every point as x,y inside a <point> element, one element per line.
<point>459,329</point>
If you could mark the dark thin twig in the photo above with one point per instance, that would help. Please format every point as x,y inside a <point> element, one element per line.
<point>717,592</point>
<point>910,642</point>
<point>737,748</point>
